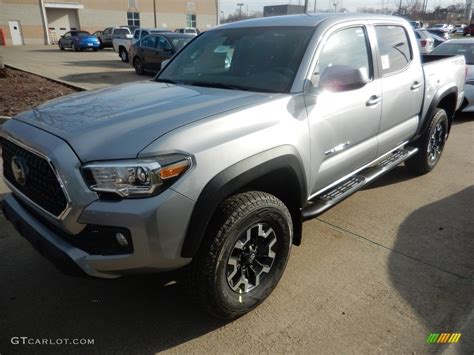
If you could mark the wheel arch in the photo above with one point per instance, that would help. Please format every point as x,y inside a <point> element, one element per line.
<point>446,100</point>
<point>278,171</point>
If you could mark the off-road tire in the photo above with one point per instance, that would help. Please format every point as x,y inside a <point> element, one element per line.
<point>139,66</point>
<point>123,55</point>
<point>209,272</point>
<point>421,163</point>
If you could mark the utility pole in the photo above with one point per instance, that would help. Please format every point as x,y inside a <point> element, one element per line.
<point>240,10</point>
<point>305,6</point>
<point>400,8</point>
<point>468,11</point>
<point>154,11</point>
<point>314,6</point>
<point>335,5</point>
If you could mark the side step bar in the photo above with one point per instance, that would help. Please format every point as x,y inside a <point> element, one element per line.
<point>330,198</point>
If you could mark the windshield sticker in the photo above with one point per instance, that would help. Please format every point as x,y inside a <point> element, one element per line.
<point>385,62</point>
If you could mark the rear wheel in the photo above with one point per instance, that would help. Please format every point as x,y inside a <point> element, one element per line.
<point>430,145</point>
<point>74,48</point>
<point>243,256</point>
<point>138,65</point>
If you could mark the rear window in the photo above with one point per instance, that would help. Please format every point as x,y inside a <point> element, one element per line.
<point>394,48</point>
<point>121,31</point>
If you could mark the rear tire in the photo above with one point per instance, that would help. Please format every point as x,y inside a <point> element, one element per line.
<point>243,255</point>
<point>74,48</point>
<point>61,47</point>
<point>430,145</point>
<point>139,66</point>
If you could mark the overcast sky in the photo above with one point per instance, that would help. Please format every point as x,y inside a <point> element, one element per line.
<point>229,6</point>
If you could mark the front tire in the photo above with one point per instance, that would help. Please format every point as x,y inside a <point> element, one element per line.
<point>243,255</point>
<point>74,48</point>
<point>124,55</point>
<point>139,66</point>
<point>61,47</point>
<point>430,145</point>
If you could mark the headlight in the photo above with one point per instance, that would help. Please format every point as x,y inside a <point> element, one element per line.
<point>136,178</point>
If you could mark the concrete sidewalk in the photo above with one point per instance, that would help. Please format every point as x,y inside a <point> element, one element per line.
<point>87,70</point>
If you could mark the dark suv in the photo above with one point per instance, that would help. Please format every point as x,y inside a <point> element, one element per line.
<point>468,30</point>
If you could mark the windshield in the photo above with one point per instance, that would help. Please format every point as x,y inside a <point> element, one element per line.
<point>80,34</point>
<point>466,49</point>
<point>121,31</point>
<point>262,59</point>
<point>179,43</point>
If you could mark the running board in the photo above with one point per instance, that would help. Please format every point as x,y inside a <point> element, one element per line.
<point>336,194</point>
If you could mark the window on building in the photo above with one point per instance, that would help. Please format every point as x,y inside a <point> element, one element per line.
<point>133,18</point>
<point>394,48</point>
<point>191,20</point>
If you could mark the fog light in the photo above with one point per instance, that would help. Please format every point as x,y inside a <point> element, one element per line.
<point>123,242</point>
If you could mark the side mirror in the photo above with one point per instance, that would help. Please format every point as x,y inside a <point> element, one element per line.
<point>339,78</point>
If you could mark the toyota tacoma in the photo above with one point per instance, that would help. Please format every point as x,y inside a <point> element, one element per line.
<point>212,166</point>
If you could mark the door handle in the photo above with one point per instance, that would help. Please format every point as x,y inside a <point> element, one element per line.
<point>374,100</point>
<point>416,85</point>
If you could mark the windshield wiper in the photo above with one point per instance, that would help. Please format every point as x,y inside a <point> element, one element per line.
<point>166,81</point>
<point>216,85</point>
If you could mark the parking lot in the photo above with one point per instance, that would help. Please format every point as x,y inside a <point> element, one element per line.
<point>375,274</point>
<point>87,69</point>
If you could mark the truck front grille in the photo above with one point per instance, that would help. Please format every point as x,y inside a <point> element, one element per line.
<point>33,176</point>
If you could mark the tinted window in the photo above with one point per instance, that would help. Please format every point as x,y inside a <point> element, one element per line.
<point>179,43</point>
<point>136,35</point>
<point>149,41</point>
<point>394,48</point>
<point>121,31</point>
<point>465,49</point>
<point>254,59</point>
<point>163,43</point>
<point>346,47</point>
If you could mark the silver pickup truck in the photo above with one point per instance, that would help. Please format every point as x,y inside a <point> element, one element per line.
<point>253,128</point>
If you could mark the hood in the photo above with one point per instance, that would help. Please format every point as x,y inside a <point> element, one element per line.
<point>118,122</point>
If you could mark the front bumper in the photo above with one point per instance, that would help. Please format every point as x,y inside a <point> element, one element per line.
<point>157,225</point>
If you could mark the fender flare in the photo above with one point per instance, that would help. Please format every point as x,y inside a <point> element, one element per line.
<point>437,98</point>
<point>233,179</point>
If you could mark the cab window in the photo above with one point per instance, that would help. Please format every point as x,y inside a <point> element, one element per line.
<point>348,47</point>
<point>149,42</point>
<point>394,48</point>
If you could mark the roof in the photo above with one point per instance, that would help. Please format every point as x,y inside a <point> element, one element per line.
<point>306,20</point>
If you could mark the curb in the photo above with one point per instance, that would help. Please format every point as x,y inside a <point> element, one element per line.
<point>73,86</point>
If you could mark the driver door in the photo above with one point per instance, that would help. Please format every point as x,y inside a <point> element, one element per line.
<point>343,124</point>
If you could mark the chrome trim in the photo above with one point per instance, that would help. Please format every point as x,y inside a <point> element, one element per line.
<point>68,208</point>
<point>373,162</point>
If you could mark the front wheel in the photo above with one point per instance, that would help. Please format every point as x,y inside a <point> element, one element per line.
<point>430,145</point>
<point>138,65</point>
<point>74,48</point>
<point>243,255</point>
<point>124,55</point>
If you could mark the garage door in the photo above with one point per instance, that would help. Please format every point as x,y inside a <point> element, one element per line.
<point>62,20</point>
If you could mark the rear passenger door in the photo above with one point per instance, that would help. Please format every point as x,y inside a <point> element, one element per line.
<point>402,85</point>
<point>148,47</point>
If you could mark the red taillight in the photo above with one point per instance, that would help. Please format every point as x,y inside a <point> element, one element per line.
<point>423,42</point>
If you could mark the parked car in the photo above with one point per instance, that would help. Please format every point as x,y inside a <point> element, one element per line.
<point>439,32</point>
<point>122,45</point>
<point>459,28</point>
<point>214,164</point>
<point>108,35</point>
<point>416,24</point>
<point>151,51</point>
<point>188,31</point>
<point>425,41</point>
<point>443,27</point>
<point>78,41</point>
<point>463,47</point>
<point>437,39</point>
<point>468,30</point>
